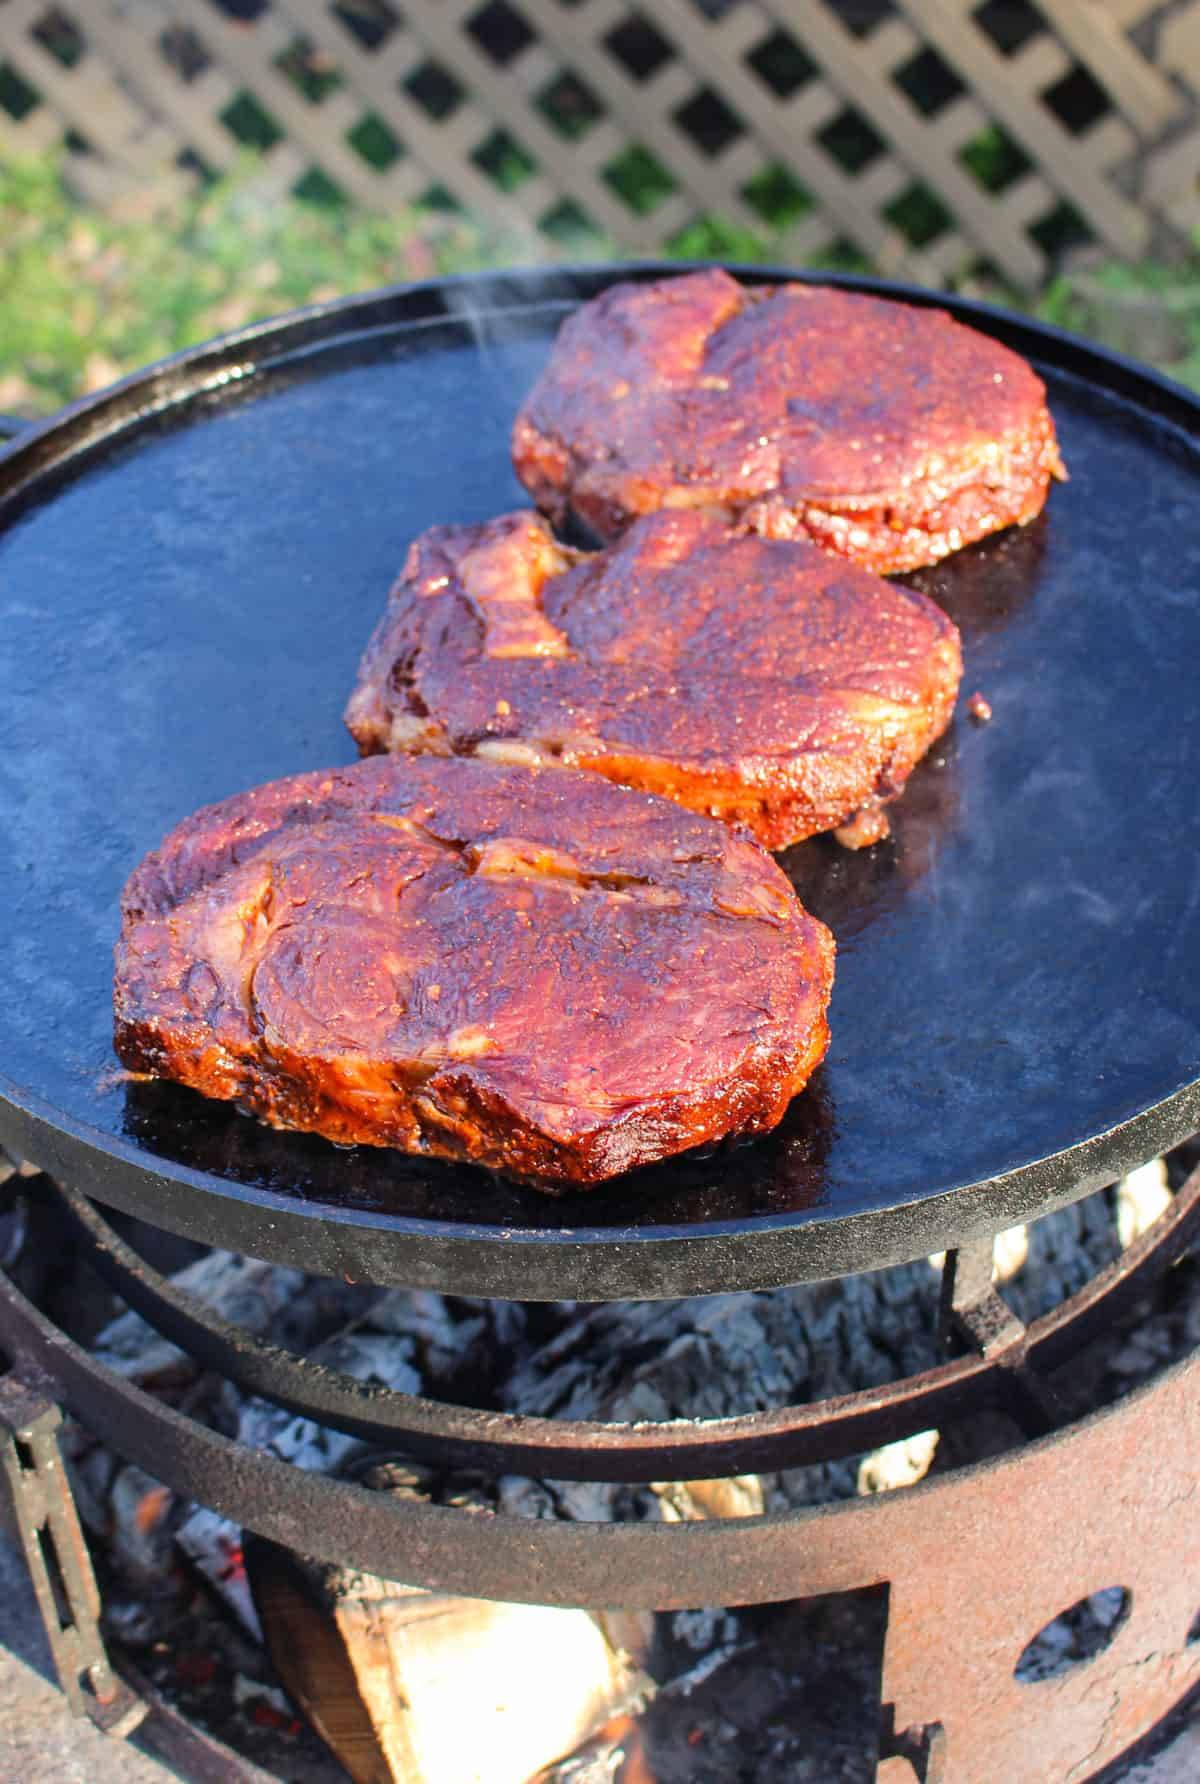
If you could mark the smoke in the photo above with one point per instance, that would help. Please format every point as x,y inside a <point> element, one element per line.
<point>508,318</point>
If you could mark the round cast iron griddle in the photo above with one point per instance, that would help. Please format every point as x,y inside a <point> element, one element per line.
<point>189,568</point>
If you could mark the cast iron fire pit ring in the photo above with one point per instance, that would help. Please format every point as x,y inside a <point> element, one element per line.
<point>492,1442</point>
<point>973,1563</point>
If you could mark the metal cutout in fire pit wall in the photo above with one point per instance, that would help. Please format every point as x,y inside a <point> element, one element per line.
<point>188,569</point>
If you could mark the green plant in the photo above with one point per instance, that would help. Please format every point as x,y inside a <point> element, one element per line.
<point>84,296</point>
<point>1149,310</point>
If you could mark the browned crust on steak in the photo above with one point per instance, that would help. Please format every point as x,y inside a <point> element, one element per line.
<point>890,434</point>
<point>538,972</point>
<point>758,681</point>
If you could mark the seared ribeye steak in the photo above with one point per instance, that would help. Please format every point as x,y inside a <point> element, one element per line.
<point>537,971</point>
<point>756,680</point>
<point>888,433</point>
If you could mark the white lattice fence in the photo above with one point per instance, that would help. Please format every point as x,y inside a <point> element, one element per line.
<point>928,135</point>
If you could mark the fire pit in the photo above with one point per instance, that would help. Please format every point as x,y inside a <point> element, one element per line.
<point>974,1563</point>
<point>187,576</point>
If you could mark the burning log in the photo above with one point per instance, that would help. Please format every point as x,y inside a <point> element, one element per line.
<point>420,1688</point>
<point>382,1671</point>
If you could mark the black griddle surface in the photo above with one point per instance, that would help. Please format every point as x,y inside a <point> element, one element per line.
<point>187,578</point>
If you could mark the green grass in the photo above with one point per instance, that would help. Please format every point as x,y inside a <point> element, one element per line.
<point>85,297</point>
<point>1149,311</point>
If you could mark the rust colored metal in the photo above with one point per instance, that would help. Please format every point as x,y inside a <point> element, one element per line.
<point>978,1563</point>
<point>42,1512</point>
<point>975,1562</point>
